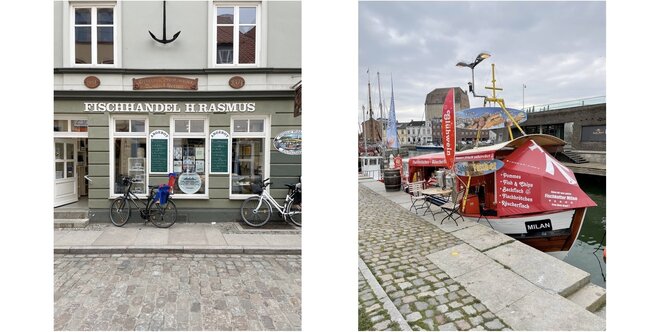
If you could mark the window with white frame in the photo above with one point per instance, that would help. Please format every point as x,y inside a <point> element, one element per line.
<point>93,35</point>
<point>128,153</point>
<point>189,155</point>
<point>236,35</point>
<point>248,154</point>
<point>70,127</point>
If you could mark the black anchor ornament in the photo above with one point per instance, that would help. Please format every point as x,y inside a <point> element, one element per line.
<point>164,40</point>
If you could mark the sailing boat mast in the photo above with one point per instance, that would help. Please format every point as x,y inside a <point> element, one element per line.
<point>378,78</point>
<point>364,131</point>
<point>369,95</point>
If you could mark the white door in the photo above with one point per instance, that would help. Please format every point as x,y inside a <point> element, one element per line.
<point>65,187</point>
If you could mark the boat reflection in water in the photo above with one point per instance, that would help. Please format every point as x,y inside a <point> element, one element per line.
<point>587,252</point>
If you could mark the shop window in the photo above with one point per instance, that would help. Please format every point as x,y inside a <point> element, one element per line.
<point>68,127</point>
<point>189,156</point>
<point>236,34</point>
<point>128,154</point>
<point>248,155</point>
<point>93,42</point>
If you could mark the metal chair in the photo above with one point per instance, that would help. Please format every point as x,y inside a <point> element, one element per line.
<point>418,200</point>
<point>452,208</point>
<point>439,201</point>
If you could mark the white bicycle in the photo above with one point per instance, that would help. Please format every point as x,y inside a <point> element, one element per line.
<point>256,210</point>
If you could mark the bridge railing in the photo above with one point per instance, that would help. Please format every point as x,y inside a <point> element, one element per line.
<point>566,104</point>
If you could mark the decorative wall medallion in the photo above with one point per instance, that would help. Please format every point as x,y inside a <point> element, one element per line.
<point>91,82</point>
<point>236,82</point>
<point>289,142</point>
<point>165,82</point>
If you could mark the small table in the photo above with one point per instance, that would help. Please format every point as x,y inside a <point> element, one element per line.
<point>434,191</point>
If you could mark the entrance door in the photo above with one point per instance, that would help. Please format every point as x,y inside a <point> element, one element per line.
<point>66,190</point>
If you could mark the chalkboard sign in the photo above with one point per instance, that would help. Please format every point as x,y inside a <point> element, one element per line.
<point>159,151</point>
<point>219,156</point>
<point>219,152</point>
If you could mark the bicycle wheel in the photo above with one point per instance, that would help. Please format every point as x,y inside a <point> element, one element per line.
<point>120,211</point>
<point>254,212</point>
<point>162,216</point>
<point>294,213</point>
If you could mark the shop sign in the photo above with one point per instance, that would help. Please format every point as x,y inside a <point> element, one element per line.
<point>289,142</point>
<point>169,107</point>
<point>159,147</point>
<point>189,183</point>
<point>477,168</point>
<point>219,151</point>
<point>165,82</point>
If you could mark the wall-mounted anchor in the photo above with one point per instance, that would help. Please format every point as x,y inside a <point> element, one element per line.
<point>164,40</point>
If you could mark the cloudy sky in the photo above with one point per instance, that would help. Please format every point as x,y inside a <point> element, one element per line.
<point>557,49</point>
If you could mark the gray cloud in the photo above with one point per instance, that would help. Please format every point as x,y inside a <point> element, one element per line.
<point>556,48</point>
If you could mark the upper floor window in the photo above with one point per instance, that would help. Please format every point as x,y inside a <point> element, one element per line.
<point>236,34</point>
<point>93,41</point>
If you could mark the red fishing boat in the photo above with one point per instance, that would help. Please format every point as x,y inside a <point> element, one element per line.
<point>525,192</point>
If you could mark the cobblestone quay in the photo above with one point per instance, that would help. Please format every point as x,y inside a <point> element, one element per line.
<point>177,292</point>
<point>394,243</point>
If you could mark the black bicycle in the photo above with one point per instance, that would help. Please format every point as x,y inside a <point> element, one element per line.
<point>162,213</point>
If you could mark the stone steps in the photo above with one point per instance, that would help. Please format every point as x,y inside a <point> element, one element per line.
<point>70,223</point>
<point>70,219</point>
<point>590,296</point>
<point>576,158</point>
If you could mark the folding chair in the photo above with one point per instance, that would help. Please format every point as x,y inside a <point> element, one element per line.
<point>439,201</point>
<point>415,189</point>
<point>452,208</point>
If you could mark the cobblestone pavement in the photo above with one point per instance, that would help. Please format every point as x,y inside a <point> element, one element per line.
<point>394,243</point>
<point>372,307</point>
<point>177,292</point>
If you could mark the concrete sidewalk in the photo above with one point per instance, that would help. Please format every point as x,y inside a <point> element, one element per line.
<point>443,267</point>
<point>198,238</point>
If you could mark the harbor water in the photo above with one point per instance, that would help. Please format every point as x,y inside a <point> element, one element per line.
<point>587,252</point>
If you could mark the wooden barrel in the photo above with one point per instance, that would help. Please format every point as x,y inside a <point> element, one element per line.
<point>392,179</point>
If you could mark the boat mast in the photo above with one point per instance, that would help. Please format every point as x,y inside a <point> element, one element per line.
<point>369,95</point>
<point>364,131</point>
<point>503,105</point>
<point>378,78</point>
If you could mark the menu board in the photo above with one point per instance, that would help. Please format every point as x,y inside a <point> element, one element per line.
<point>219,152</point>
<point>159,148</point>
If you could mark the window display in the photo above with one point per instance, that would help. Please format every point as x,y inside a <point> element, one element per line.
<point>130,161</point>
<point>248,159</point>
<point>188,162</point>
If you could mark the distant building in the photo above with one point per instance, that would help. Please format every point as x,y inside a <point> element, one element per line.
<point>402,133</point>
<point>434,106</point>
<point>419,132</point>
<point>434,102</point>
<point>582,127</point>
<point>372,130</point>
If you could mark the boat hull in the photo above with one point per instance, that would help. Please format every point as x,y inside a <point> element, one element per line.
<point>566,227</point>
